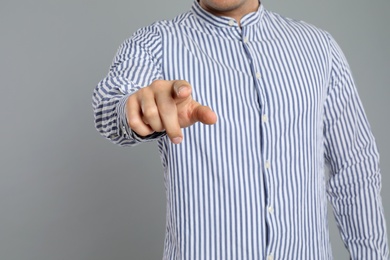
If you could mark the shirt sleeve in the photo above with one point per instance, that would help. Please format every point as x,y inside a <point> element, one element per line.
<point>136,65</point>
<point>355,180</point>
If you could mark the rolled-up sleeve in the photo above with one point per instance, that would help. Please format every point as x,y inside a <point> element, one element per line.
<point>136,65</point>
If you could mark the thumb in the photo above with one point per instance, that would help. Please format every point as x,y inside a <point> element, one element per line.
<point>181,90</point>
<point>203,114</point>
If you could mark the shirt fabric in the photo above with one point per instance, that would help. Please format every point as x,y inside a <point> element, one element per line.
<point>254,185</point>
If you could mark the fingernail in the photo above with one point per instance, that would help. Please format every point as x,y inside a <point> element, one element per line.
<point>177,140</point>
<point>181,89</point>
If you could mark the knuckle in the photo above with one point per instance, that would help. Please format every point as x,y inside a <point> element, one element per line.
<point>142,92</point>
<point>151,112</point>
<point>157,83</point>
<point>133,122</point>
<point>132,98</point>
<point>161,87</point>
<point>139,92</point>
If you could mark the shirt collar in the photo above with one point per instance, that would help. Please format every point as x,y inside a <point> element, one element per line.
<point>225,21</point>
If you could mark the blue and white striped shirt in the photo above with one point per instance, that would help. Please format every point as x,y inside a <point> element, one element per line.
<point>253,185</point>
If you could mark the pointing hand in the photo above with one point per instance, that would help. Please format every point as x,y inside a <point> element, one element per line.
<point>166,105</point>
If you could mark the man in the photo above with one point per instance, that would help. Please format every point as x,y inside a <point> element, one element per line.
<point>275,100</point>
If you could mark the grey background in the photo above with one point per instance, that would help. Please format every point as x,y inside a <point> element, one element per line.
<point>65,192</point>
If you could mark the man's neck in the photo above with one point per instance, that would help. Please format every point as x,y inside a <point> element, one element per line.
<point>235,12</point>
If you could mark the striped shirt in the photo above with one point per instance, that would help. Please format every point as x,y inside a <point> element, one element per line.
<point>253,186</point>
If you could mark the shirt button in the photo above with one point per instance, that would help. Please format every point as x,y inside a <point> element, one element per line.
<point>245,40</point>
<point>271,210</point>
<point>231,22</point>
<point>265,118</point>
<point>258,75</point>
<point>270,257</point>
<point>267,165</point>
